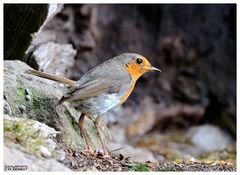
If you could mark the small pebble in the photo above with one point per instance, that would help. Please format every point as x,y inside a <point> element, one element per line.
<point>192,159</point>
<point>7,108</point>
<point>61,155</point>
<point>28,97</point>
<point>22,108</point>
<point>44,151</point>
<point>99,152</point>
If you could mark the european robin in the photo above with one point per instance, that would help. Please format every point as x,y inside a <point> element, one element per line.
<point>102,88</point>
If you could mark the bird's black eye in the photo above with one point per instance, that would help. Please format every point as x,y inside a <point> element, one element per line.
<point>139,60</point>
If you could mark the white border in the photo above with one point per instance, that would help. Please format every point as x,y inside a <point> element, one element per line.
<point>122,1</point>
<point>110,2</point>
<point>1,87</point>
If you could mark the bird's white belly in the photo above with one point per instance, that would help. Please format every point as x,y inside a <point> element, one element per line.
<point>100,104</point>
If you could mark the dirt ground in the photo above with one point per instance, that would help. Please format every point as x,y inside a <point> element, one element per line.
<point>78,160</point>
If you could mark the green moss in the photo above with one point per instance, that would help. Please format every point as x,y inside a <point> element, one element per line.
<point>22,134</point>
<point>21,93</point>
<point>41,107</point>
<point>178,161</point>
<point>37,103</point>
<point>139,167</point>
<point>40,101</point>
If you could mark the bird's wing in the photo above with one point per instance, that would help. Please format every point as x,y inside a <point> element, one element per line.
<point>94,86</point>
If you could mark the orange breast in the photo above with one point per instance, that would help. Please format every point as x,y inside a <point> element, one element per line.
<point>124,98</point>
<point>134,71</point>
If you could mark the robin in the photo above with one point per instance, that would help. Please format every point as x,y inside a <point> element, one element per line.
<point>102,88</point>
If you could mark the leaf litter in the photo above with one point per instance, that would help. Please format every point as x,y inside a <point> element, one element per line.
<point>79,160</point>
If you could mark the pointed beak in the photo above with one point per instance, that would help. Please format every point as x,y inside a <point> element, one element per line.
<point>155,69</point>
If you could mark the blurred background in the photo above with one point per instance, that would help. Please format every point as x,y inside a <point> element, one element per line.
<point>186,112</point>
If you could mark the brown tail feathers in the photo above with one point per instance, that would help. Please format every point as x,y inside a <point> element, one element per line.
<point>51,77</point>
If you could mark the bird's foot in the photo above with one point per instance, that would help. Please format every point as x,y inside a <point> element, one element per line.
<point>89,151</point>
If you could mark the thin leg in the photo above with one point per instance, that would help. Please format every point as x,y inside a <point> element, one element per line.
<point>83,131</point>
<point>101,137</point>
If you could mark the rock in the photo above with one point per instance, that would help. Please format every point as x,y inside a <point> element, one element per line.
<point>84,41</point>
<point>43,105</point>
<point>55,58</point>
<point>45,151</point>
<point>145,119</point>
<point>14,157</point>
<point>46,36</point>
<point>6,108</point>
<point>61,155</point>
<point>135,154</point>
<point>111,117</point>
<point>168,146</point>
<point>177,116</point>
<point>53,9</point>
<point>126,121</point>
<point>188,88</point>
<point>28,97</point>
<point>29,138</point>
<point>45,130</point>
<point>117,134</point>
<point>184,151</point>
<point>22,108</point>
<point>209,138</point>
<point>51,144</point>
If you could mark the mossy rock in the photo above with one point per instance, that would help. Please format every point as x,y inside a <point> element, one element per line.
<point>36,98</point>
<point>22,133</point>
